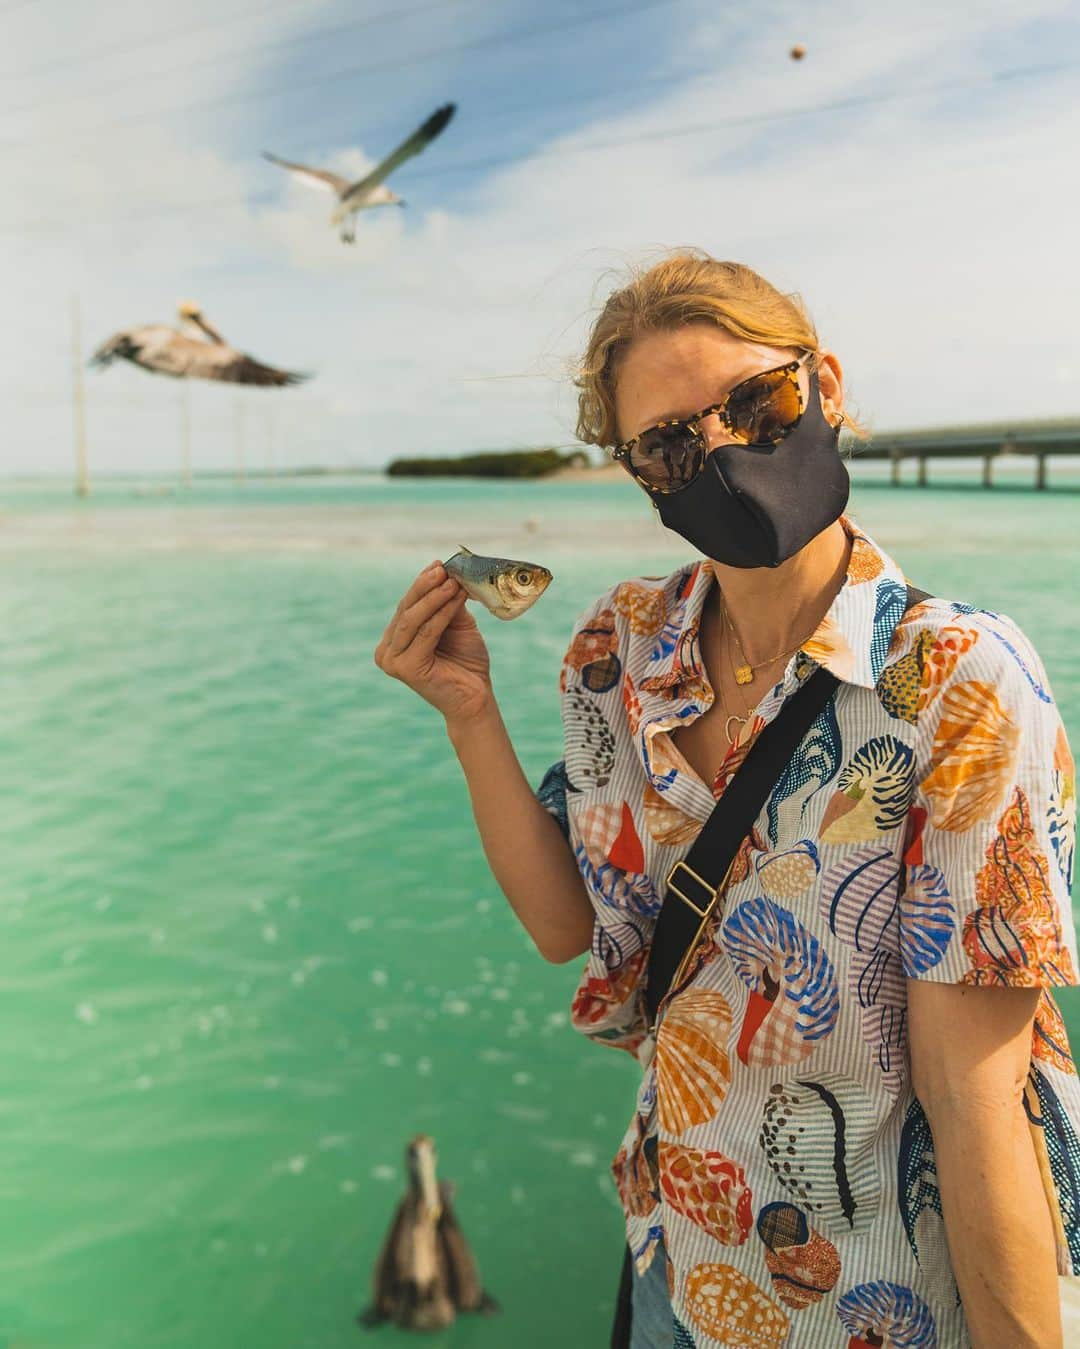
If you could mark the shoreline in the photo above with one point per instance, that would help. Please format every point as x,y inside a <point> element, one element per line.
<point>605,473</point>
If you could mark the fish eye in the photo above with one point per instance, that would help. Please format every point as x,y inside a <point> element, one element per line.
<point>523,578</point>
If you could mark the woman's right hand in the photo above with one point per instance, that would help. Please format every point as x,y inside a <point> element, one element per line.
<point>433,645</point>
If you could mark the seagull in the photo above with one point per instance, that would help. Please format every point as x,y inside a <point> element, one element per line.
<point>195,351</point>
<point>371,190</point>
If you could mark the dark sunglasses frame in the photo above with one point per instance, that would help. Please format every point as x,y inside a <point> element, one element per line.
<point>692,427</point>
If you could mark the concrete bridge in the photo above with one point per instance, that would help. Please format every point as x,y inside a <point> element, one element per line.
<point>988,442</point>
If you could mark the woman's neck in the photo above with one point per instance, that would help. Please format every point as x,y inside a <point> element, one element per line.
<point>776,608</point>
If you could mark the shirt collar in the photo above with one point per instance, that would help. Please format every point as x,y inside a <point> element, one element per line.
<point>851,641</point>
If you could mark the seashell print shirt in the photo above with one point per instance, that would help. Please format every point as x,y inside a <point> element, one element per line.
<point>923,830</point>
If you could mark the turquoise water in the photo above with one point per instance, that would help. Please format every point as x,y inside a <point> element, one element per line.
<point>250,941</point>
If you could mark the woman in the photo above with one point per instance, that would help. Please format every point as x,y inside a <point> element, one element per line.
<point>858,1120</point>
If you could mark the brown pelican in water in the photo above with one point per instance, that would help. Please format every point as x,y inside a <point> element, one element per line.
<point>195,351</point>
<point>370,190</point>
<point>425,1273</point>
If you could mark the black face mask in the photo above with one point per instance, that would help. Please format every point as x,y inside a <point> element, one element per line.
<point>757,505</point>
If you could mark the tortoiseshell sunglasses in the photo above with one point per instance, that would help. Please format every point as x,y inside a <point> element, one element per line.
<point>761,410</point>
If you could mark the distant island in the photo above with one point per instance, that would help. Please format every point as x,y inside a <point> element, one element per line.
<point>490,464</point>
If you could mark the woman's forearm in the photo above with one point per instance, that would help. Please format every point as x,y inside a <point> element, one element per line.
<point>525,847</point>
<point>997,1222</point>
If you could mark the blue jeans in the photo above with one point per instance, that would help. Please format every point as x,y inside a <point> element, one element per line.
<point>652,1323</point>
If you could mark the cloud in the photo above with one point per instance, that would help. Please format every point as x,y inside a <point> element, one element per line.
<point>923,208</point>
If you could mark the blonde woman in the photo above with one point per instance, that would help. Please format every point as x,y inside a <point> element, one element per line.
<point>859,1119</point>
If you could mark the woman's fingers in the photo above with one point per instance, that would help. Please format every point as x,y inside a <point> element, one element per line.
<point>409,623</point>
<point>430,632</point>
<point>428,579</point>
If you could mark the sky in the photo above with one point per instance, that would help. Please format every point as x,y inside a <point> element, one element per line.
<point>914,178</point>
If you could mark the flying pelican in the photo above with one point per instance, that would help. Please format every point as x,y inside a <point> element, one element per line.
<point>371,190</point>
<point>425,1272</point>
<point>195,351</point>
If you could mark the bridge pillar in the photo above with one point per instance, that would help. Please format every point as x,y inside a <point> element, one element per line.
<point>987,473</point>
<point>894,469</point>
<point>1040,471</point>
<point>922,471</point>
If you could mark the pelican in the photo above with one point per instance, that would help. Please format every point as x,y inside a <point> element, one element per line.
<point>370,190</point>
<point>196,350</point>
<point>425,1273</point>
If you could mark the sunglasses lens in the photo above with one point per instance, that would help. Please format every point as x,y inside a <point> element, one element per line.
<point>665,458</point>
<point>763,409</point>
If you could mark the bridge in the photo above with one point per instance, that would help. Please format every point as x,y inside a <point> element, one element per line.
<point>989,442</point>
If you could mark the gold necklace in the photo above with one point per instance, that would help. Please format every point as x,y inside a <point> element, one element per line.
<point>733,740</point>
<point>744,674</point>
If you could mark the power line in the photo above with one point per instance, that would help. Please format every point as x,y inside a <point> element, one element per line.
<point>320,81</point>
<point>249,49</point>
<point>592,147</point>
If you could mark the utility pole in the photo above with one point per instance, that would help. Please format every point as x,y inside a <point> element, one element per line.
<point>185,434</point>
<point>239,475</point>
<point>78,401</point>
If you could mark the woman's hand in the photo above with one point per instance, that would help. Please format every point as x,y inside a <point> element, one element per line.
<point>434,646</point>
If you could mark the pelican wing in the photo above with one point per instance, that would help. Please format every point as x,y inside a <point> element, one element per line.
<point>459,1268</point>
<point>420,139</point>
<point>320,178</point>
<point>386,1278</point>
<point>219,362</point>
<point>155,347</point>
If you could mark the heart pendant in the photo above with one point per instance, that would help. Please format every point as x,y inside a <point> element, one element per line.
<point>740,722</point>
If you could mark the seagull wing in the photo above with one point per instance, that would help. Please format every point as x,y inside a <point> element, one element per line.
<point>320,178</point>
<point>420,139</point>
<point>228,366</point>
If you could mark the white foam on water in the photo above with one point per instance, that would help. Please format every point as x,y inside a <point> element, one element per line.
<point>521,1079</point>
<point>380,978</point>
<point>86,1013</point>
<point>423,1067</point>
<point>383,1172</point>
<point>144,1083</point>
<point>270,933</point>
<point>390,1060</point>
<point>456,1007</point>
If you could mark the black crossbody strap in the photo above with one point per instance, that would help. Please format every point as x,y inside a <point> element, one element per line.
<point>693,883</point>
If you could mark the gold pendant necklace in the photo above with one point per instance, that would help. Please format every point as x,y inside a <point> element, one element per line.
<point>744,673</point>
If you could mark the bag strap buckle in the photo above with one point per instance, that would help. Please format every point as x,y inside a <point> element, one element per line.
<point>688,879</point>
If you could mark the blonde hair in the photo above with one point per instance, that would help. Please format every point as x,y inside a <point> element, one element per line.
<point>687,286</point>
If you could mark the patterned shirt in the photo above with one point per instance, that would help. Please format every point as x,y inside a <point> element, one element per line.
<point>922,830</point>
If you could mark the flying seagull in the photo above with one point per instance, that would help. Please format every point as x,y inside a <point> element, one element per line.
<point>195,351</point>
<point>372,190</point>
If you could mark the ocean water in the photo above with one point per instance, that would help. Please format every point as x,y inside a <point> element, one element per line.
<point>250,942</point>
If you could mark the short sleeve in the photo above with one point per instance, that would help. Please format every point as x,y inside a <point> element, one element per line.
<point>552,795</point>
<point>607,1004</point>
<point>989,850</point>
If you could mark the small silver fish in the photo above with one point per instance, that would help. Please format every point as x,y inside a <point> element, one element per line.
<point>505,587</point>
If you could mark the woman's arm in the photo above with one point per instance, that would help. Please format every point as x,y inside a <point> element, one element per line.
<point>433,645</point>
<point>524,845</point>
<point>970,1053</point>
